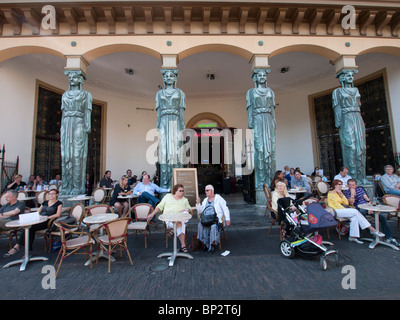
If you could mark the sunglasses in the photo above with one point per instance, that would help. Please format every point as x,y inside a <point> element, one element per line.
<point>181,190</point>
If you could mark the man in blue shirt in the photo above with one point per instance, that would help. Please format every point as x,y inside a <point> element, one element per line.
<point>357,196</point>
<point>146,191</point>
<point>298,181</point>
<point>390,182</point>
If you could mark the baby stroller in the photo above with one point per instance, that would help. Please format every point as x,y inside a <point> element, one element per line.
<point>300,233</point>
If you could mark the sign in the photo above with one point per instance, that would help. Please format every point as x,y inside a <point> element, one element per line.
<point>26,218</point>
<point>188,178</point>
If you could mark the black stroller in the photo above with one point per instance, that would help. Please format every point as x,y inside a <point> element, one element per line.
<point>300,233</point>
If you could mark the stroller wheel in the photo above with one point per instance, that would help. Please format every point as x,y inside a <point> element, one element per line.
<point>323,263</point>
<point>286,249</point>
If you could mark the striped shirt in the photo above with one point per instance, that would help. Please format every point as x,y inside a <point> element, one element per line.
<point>358,198</point>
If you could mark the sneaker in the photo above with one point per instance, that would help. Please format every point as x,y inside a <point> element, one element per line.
<point>355,240</point>
<point>392,241</point>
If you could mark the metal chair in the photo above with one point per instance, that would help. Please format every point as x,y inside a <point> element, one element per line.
<point>140,211</point>
<point>116,238</point>
<point>394,201</point>
<point>72,246</point>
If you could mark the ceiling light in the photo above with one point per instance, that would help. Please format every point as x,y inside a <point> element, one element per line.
<point>285,69</point>
<point>211,76</point>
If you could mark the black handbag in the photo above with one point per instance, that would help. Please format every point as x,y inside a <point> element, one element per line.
<point>208,217</point>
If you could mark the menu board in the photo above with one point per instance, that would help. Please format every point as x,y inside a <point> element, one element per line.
<point>188,178</point>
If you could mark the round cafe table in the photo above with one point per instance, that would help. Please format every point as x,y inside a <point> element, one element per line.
<point>377,210</point>
<point>99,219</point>
<point>175,218</point>
<point>27,257</point>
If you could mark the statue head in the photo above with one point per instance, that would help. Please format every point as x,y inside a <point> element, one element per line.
<point>170,77</point>
<point>346,77</point>
<point>259,75</point>
<point>75,78</point>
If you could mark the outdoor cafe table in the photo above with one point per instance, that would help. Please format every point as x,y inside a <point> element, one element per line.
<point>79,199</point>
<point>377,210</point>
<point>100,219</point>
<point>175,218</point>
<point>27,257</point>
<point>129,197</point>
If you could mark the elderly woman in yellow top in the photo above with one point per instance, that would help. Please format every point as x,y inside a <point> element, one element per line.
<point>337,201</point>
<point>173,203</point>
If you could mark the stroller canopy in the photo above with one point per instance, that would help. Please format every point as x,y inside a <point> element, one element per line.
<point>318,217</point>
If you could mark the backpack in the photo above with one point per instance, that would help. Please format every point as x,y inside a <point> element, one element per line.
<point>208,217</point>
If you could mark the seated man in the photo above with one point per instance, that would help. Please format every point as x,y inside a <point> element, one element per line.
<point>300,182</point>
<point>106,181</point>
<point>357,196</point>
<point>146,191</point>
<point>390,182</point>
<point>11,209</point>
<point>39,183</point>
<point>343,176</point>
<point>57,181</point>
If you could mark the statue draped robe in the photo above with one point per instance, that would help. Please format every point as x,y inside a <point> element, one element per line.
<point>261,110</point>
<point>76,108</point>
<point>170,108</point>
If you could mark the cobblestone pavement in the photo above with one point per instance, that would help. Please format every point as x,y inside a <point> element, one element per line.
<point>253,270</point>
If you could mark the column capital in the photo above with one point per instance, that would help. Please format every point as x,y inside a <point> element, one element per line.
<point>76,62</point>
<point>259,61</point>
<point>169,61</point>
<point>345,62</point>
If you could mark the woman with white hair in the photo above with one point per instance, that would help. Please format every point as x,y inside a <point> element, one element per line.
<point>210,235</point>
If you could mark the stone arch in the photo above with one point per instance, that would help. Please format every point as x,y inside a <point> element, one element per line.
<point>395,51</point>
<point>205,115</point>
<point>113,48</point>
<point>330,54</point>
<point>24,50</point>
<point>246,54</point>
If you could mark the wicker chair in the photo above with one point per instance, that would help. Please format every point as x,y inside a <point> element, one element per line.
<point>99,195</point>
<point>98,209</point>
<point>72,246</point>
<point>394,201</point>
<point>322,189</point>
<point>140,224</point>
<point>116,238</point>
<point>274,213</point>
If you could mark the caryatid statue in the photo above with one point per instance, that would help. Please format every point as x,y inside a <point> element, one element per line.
<point>346,105</point>
<point>76,107</point>
<point>170,107</point>
<point>260,104</point>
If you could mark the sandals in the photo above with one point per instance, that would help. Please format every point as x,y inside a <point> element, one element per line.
<point>184,249</point>
<point>8,254</point>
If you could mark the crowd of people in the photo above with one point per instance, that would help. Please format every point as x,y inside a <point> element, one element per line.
<point>345,197</point>
<point>344,202</point>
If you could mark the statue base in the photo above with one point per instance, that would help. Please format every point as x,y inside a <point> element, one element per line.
<point>261,200</point>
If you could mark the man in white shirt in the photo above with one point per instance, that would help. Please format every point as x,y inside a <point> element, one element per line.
<point>390,181</point>
<point>343,176</point>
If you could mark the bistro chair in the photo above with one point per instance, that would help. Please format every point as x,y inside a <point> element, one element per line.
<point>72,246</point>
<point>22,195</point>
<point>40,198</point>
<point>222,228</point>
<point>340,221</point>
<point>99,195</point>
<point>116,237</point>
<point>274,214</point>
<point>394,201</point>
<point>380,191</point>
<point>3,200</point>
<point>77,212</point>
<point>98,209</point>
<point>10,234</point>
<point>53,186</point>
<point>322,189</point>
<point>140,224</point>
<point>317,178</point>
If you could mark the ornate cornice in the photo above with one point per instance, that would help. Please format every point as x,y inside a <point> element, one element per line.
<point>315,18</point>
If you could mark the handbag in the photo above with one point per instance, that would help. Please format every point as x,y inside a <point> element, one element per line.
<point>208,217</point>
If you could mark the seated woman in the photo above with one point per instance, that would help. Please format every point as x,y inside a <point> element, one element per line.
<point>279,192</point>
<point>121,189</point>
<point>173,203</point>
<point>278,177</point>
<point>50,208</point>
<point>337,201</point>
<point>210,235</point>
